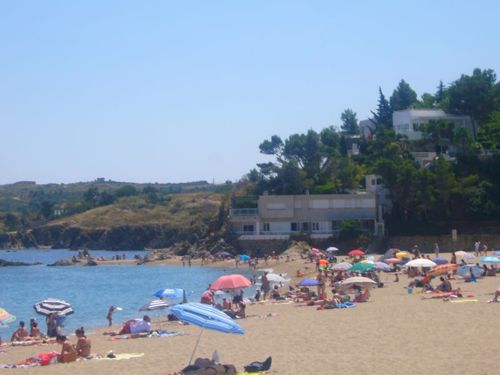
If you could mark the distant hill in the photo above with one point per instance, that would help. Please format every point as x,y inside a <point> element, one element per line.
<point>130,223</point>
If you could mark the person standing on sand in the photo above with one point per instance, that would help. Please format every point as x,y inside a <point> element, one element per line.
<point>111,310</point>
<point>51,325</point>
<point>265,286</point>
<point>477,247</point>
<point>436,249</point>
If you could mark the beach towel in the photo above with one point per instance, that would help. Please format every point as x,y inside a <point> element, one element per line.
<point>461,300</point>
<point>346,305</point>
<point>121,356</point>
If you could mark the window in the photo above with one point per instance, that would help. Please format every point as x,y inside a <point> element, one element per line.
<point>248,228</point>
<point>305,227</point>
<point>315,227</point>
<point>266,227</point>
<point>336,224</point>
<point>294,227</point>
<point>276,206</point>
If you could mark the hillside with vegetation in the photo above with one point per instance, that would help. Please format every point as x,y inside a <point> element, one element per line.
<point>459,189</point>
<point>110,215</point>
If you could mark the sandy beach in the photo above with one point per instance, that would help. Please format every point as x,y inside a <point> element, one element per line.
<point>393,333</point>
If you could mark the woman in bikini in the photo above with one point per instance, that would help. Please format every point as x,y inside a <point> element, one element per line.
<point>83,344</point>
<point>68,352</point>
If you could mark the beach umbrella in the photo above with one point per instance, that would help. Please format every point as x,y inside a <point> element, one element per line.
<point>6,317</point>
<point>391,253</point>
<point>344,266</point>
<point>169,293</point>
<point>157,304</point>
<point>275,278</point>
<point>392,260</point>
<point>362,267</point>
<point>421,262</point>
<point>223,254</point>
<point>244,258</point>
<point>309,282</point>
<point>323,262</point>
<point>53,305</point>
<point>442,269</point>
<point>403,254</point>
<point>234,281</point>
<point>355,252</point>
<point>440,260</point>
<point>497,253</point>
<point>331,249</point>
<point>466,269</point>
<point>362,282</point>
<point>208,317</point>
<point>382,266</point>
<point>315,251</point>
<point>489,260</point>
<point>464,254</point>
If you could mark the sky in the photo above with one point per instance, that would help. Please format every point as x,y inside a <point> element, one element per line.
<point>178,91</point>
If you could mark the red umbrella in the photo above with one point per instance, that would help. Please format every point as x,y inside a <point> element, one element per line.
<point>231,282</point>
<point>356,252</point>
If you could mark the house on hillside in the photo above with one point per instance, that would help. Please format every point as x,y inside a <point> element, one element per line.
<point>409,121</point>
<point>318,215</point>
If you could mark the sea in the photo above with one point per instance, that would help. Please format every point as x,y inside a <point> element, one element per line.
<point>91,290</point>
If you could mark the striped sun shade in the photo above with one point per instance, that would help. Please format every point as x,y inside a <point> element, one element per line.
<point>53,305</point>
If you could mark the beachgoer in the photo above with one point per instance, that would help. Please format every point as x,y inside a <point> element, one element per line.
<point>477,248</point>
<point>68,352</point>
<point>51,325</point>
<point>485,250</point>
<point>444,286</point>
<point>20,334</point>
<point>34,330</point>
<point>111,310</point>
<point>453,259</point>
<point>496,298</point>
<point>396,277</point>
<point>134,326</point>
<point>83,345</point>
<point>265,286</point>
<point>436,249</point>
<point>207,297</point>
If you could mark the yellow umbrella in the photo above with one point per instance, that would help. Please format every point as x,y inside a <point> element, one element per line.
<point>402,254</point>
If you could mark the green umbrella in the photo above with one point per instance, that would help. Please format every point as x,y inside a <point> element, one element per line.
<point>362,267</point>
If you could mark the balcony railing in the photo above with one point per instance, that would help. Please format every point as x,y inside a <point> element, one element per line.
<point>244,211</point>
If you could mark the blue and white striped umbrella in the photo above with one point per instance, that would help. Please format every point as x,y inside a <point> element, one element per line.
<point>170,292</point>
<point>206,316</point>
<point>53,305</point>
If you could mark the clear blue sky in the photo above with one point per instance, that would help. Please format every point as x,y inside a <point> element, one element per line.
<point>173,91</point>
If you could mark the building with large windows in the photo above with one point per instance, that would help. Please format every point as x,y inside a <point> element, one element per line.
<point>317,215</point>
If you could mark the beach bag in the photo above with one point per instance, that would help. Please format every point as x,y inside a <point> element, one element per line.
<point>259,366</point>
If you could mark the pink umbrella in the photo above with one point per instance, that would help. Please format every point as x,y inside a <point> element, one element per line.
<point>231,282</point>
<point>392,260</point>
<point>356,252</point>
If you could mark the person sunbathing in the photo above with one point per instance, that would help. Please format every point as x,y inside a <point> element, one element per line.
<point>363,296</point>
<point>134,326</point>
<point>496,298</point>
<point>68,352</point>
<point>20,334</point>
<point>83,345</point>
<point>205,366</point>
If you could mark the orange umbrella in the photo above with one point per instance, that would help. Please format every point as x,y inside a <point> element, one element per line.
<point>443,269</point>
<point>323,262</point>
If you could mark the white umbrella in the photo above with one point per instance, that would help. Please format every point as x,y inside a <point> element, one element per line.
<point>275,278</point>
<point>157,304</point>
<point>362,282</point>
<point>344,266</point>
<point>331,249</point>
<point>382,266</point>
<point>421,262</point>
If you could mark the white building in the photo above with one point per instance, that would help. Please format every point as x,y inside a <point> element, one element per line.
<point>318,215</point>
<point>409,121</point>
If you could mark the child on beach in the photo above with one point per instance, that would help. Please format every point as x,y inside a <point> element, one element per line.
<point>110,315</point>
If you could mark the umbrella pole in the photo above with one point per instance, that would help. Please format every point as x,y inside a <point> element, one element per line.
<point>196,345</point>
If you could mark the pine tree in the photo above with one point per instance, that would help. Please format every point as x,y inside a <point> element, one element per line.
<point>383,116</point>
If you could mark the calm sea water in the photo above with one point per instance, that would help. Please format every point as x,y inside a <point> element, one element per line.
<point>91,290</point>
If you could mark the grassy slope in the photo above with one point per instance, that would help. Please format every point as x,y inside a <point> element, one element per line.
<point>182,211</point>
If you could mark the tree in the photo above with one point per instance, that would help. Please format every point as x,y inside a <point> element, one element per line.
<point>403,97</point>
<point>11,221</point>
<point>440,96</point>
<point>383,115</point>
<point>126,191</point>
<point>272,147</point>
<point>489,133</point>
<point>349,122</point>
<point>474,95</point>
<point>46,209</point>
